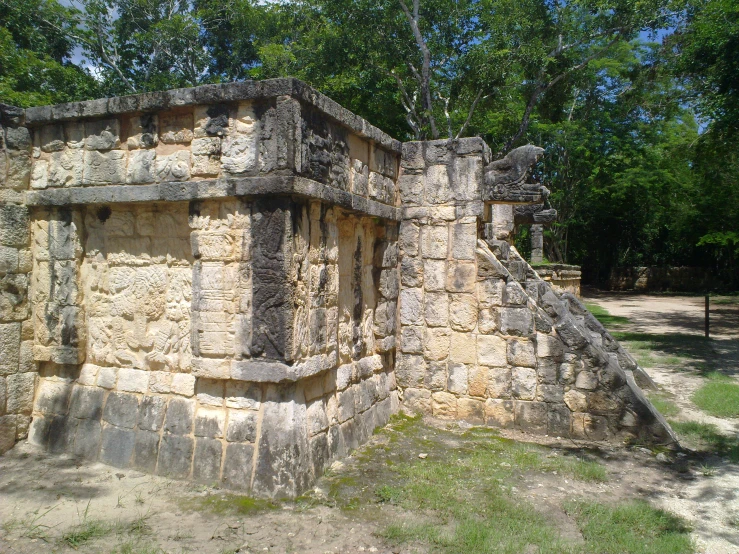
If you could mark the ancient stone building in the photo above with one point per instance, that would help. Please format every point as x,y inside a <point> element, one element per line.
<point>238,283</point>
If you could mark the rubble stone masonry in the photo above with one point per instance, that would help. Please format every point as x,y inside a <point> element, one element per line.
<point>239,283</point>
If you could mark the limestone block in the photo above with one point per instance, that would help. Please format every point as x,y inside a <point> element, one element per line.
<point>211,368</point>
<point>523,383</point>
<point>521,353</point>
<point>461,277</point>
<point>183,384</point>
<point>176,128</point>
<point>467,178</point>
<point>471,410</point>
<point>567,372</point>
<point>463,312</point>
<point>74,134</point>
<point>548,346</point>
<point>88,375</point>
<point>132,380</point>
<point>22,426</point>
<point>502,221</point>
<point>145,451</point>
<point>53,397</point>
<point>410,370</point>
<point>490,292</point>
<point>121,409</point>
<point>86,402</point>
<point>104,168</point>
<point>411,273</point>
<point>438,189</point>
<point>7,432</point>
<point>491,351</point>
<point>550,393</point>
<point>385,316</point>
<point>411,340</point>
<point>108,377</point>
<point>487,322</point>
<point>141,166</point>
<point>478,381</point>
<point>243,395</point>
<point>25,263</point>
<point>180,412</point>
<point>17,138</point>
<point>516,321</point>
<point>435,241</point>
<point>8,259</point>
<point>603,403</point>
<point>532,416</point>
<point>346,405</point>
<point>411,189</point>
<point>558,421</point>
<point>435,275</point>
<point>238,457</point>
<point>514,294</point>
<point>2,396</point>
<point>175,453</point>
<point>142,132</point>
<point>435,378</point>
<point>174,167</point>
<point>10,344</point>
<point>117,446</point>
<point>458,380</point>
<point>409,237</point>
<point>206,463</point>
<point>51,138</point>
<point>103,134</point>
<point>411,306</point>
<point>444,405</point>
<point>87,439</point>
<point>500,382</point>
<point>359,174</point>
<point>389,283</point>
<point>586,380</point>
<point>317,417</point>
<point>437,344</point>
<point>210,392</point>
<point>499,413</point>
<point>589,427</point>
<point>151,413</point>
<point>40,174</point>
<point>19,170</point>
<point>206,166</point>
<point>463,348</point>
<point>20,389</point>
<point>242,426</point>
<point>417,401</point>
<point>376,187</point>
<point>66,168</point>
<point>210,423</point>
<point>344,376</point>
<point>436,309</point>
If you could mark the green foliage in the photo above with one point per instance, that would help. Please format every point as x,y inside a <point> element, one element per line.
<point>605,317</point>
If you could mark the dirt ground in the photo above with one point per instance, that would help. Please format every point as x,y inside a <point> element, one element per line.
<point>58,504</point>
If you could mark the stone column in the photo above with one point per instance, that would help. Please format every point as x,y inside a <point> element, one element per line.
<point>537,243</point>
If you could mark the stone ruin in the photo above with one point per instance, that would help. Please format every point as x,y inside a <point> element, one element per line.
<point>238,283</point>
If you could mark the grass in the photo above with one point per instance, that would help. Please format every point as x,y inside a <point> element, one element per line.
<point>605,317</point>
<point>707,437</point>
<point>719,396</point>
<point>464,498</point>
<point>634,527</point>
<point>85,532</point>
<point>676,350</point>
<point>229,504</point>
<point>664,404</point>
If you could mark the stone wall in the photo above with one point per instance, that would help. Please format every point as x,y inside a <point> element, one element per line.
<point>661,279</point>
<point>18,373</point>
<point>483,338</point>
<point>562,277</point>
<point>238,283</point>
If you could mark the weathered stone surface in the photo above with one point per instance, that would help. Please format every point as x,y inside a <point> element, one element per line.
<point>117,446</point>
<point>242,426</point>
<point>521,353</point>
<point>146,451</point>
<point>179,416</point>
<point>491,351</point>
<point>175,456</point>
<point>104,168</point>
<point>151,413</point>
<point>237,466</point>
<point>121,409</point>
<point>499,413</point>
<point>86,403</point>
<point>209,423</point>
<point>471,410</point>
<point>206,463</point>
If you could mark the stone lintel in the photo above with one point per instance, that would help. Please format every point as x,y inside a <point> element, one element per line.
<point>212,188</point>
<point>258,371</point>
<point>210,94</point>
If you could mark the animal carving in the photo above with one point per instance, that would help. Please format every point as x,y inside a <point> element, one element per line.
<point>505,179</point>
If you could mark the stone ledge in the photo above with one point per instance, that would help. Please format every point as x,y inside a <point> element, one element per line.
<point>277,372</point>
<point>212,188</point>
<point>210,94</point>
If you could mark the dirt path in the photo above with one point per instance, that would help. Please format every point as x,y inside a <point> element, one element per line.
<point>675,324</point>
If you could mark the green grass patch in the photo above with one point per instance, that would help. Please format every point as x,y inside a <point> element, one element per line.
<point>634,527</point>
<point>605,317</point>
<point>664,404</point>
<point>86,532</point>
<point>674,350</point>
<point>718,397</point>
<point>229,504</point>
<point>707,437</point>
